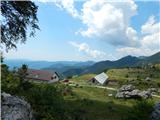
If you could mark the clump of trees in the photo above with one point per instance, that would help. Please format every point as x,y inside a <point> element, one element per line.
<point>140,111</point>
<point>46,100</point>
<point>9,82</point>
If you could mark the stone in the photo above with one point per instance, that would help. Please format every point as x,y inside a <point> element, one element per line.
<point>119,95</point>
<point>152,90</point>
<point>15,108</point>
<point>127,88</point>
<point>129,91</point>
<point>145,94</point>
<point>147,78</point>
<point>110,95</point>
<point>155,115</point>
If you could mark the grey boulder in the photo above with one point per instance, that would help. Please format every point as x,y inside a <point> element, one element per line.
<point>156,112</point>
<point>15,108</point>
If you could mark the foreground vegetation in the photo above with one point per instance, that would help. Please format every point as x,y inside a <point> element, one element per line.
<point>61,101</point>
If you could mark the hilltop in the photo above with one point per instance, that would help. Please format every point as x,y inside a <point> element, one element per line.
<point>128,61</point>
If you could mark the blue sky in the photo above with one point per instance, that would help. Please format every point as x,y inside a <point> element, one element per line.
<point>92,30</point>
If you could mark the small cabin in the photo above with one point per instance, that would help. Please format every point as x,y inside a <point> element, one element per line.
<point>101,79</point>
<point>42,76</point>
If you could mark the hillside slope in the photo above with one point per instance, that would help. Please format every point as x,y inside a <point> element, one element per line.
<point>128,61</point>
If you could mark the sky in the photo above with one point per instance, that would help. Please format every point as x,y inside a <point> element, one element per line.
<point>92,30</point>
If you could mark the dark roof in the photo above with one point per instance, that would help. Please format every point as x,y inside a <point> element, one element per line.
<point>40,74</point>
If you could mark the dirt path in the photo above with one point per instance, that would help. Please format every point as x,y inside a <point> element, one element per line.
<point>108,88</point>
<point>157,96</point>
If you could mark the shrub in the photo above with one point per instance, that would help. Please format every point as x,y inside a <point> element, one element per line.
<point>140,111</point>
<point>46,98</point>
<point>10,83</point>
<point>158,84</point>
<point>126,75</point>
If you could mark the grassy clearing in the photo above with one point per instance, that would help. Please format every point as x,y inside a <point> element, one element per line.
<point>91,103</point>
<point>83,79</point>
<point>136,76</point>
<point>94,104</point>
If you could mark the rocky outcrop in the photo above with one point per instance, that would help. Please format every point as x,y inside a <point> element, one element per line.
<point>14,108</point>
<point>152,90</point>
<point>127,88</point>
<point>156,112</point>
<point>129,91</point>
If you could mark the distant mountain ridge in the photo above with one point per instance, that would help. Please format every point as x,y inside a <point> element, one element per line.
<point>70,68</point>
<point>128,61</point>
<point>63,67</point>
<point>48,65</point>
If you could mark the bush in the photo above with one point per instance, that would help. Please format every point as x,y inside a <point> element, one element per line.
<point>140,111</point>
<point>10,83</point>
<point>126,75</point>
<point>46,98</point>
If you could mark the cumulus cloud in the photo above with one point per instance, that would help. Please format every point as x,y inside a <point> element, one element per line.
<point>104,20</point>
<point>84,47</point>
<point>67,5</point>
<point>149,43</point>
<point>150,26</point>
<point>109,21</point>
<point>134,51</point>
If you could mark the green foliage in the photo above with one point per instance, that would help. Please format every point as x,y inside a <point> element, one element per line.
<point>49,102</point>
<point>17,17</point>
<point>10,83</point>
<point>46,98</point>
<point>126,75</point>
<point>140,111</point>
<point>22,73</point>
<point>4,71</point>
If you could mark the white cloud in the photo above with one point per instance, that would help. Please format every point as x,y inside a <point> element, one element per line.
<point>84,47</point>
<point>150,26</point>
<point>134,51</point>
<point>104,20</point>
<point>67,5</point>
<point>148,44</point>
<point>151,41</point>
<point>109,21</point>
<point>132,37</point>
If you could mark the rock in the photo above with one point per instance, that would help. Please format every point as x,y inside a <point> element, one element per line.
<point>145,94</point>
<point>135,93</point>
<point>110,95</point>
<point>156,112</point>
<point>129,91</point>
<point>152,90</point>
<point>14,108</point>
<point>148,79</point>
<point>119,95</point>
<point>127,88</point>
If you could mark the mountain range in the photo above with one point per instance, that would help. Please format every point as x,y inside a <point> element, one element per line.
<point>70,68</point>
<point>128,61</point>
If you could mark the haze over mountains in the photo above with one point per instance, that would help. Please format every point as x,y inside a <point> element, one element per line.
<point>58,66</point>
<point>69,68</point>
